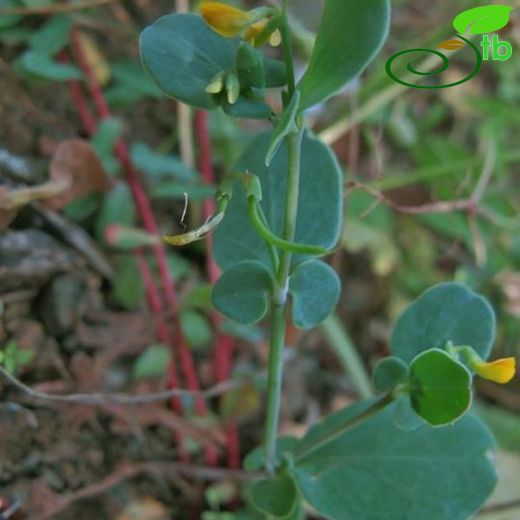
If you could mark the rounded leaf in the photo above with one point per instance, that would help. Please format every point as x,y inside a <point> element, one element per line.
<point>350,35</point>
<point>183,55</point>
<point>440,387</point>
<point>319,210</point>
<point>378,471</point>
<point>389,373</point>
<point>481,20</point>
<point>276,497</point>
<point>446,312</point>
<point>315,289</point>
<point>242,293</point>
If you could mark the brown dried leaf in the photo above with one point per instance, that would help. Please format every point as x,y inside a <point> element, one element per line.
<point>451,45</point>
<point>76,163</point>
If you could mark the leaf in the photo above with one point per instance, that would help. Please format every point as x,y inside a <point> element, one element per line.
<point>377,471</point>
<point>440,387</point>
<point>285,126</point>
<point>276,496</point>
<point>53,36</point>
<point>451,45</point>
<point>118,208</point>
<point>405,417</point>
<point>481,20</point>
<point>240,403</point>
<point>160,165</point>
<point>12,19</point>
<point>319,211</point>
<point>42,66</point>
<point>255,459</point>
<point>446,312</point>
<point>195,328</point>
<point>153,362</point>
<point>242,292</point>
<point>128,238</point>
<point>389,373</point>
<point>128,285</point>
<point>75,163</point>
<point>104,140</point>
<point>130,83</point>
<point>315,290</point>
<point>350,35</point>
<point>182,55</point>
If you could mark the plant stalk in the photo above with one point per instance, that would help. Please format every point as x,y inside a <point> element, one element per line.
<point>280,291</point>
<point>378,405</point>
<point>279,303</point>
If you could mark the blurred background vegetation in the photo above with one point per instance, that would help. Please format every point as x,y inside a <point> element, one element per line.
<point>432,194</point>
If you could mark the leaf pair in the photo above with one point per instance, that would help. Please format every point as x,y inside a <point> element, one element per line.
<point>243,292</point>
<point>244,256</point>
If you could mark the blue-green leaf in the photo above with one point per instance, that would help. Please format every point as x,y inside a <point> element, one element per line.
<point>242,292</point>
<point>183,55</point>
<point>276,496</point>
<point>315,290</point>
<point>43,66</point>
<point>389,373</point>
<point>53,36</point>
<point>350,35</point>
<point>446,312</point>
<point>153,362</point>
<point>319,210</point>
<point>378,471</point>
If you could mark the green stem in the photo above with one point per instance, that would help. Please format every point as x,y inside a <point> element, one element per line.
<point>280,289</point>
<point>294,141</point>
<point>348,355</point>
<point>350,423</point>
<point>287,49</point>
<point>272,239</point>
<point>279,303</point>
<point>274,384</point>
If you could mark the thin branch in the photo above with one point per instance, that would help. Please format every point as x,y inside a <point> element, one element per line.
<point>96,399</point>
<point>470,205</point>
<point>55,8</point>
<point>432,207</point>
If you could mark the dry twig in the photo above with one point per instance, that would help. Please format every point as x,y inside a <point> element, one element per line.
<point>97,399</point>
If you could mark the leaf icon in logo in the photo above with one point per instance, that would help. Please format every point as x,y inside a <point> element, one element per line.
<point>481,20</point>
<point>451,45</point>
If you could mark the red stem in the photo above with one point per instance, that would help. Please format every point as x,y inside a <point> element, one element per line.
<point>148,219</point>
<point>224,348</point>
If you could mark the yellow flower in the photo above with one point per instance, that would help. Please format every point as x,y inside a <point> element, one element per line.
<point>225,19</point>
<point>229,21</point>
<point>500,371</point>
